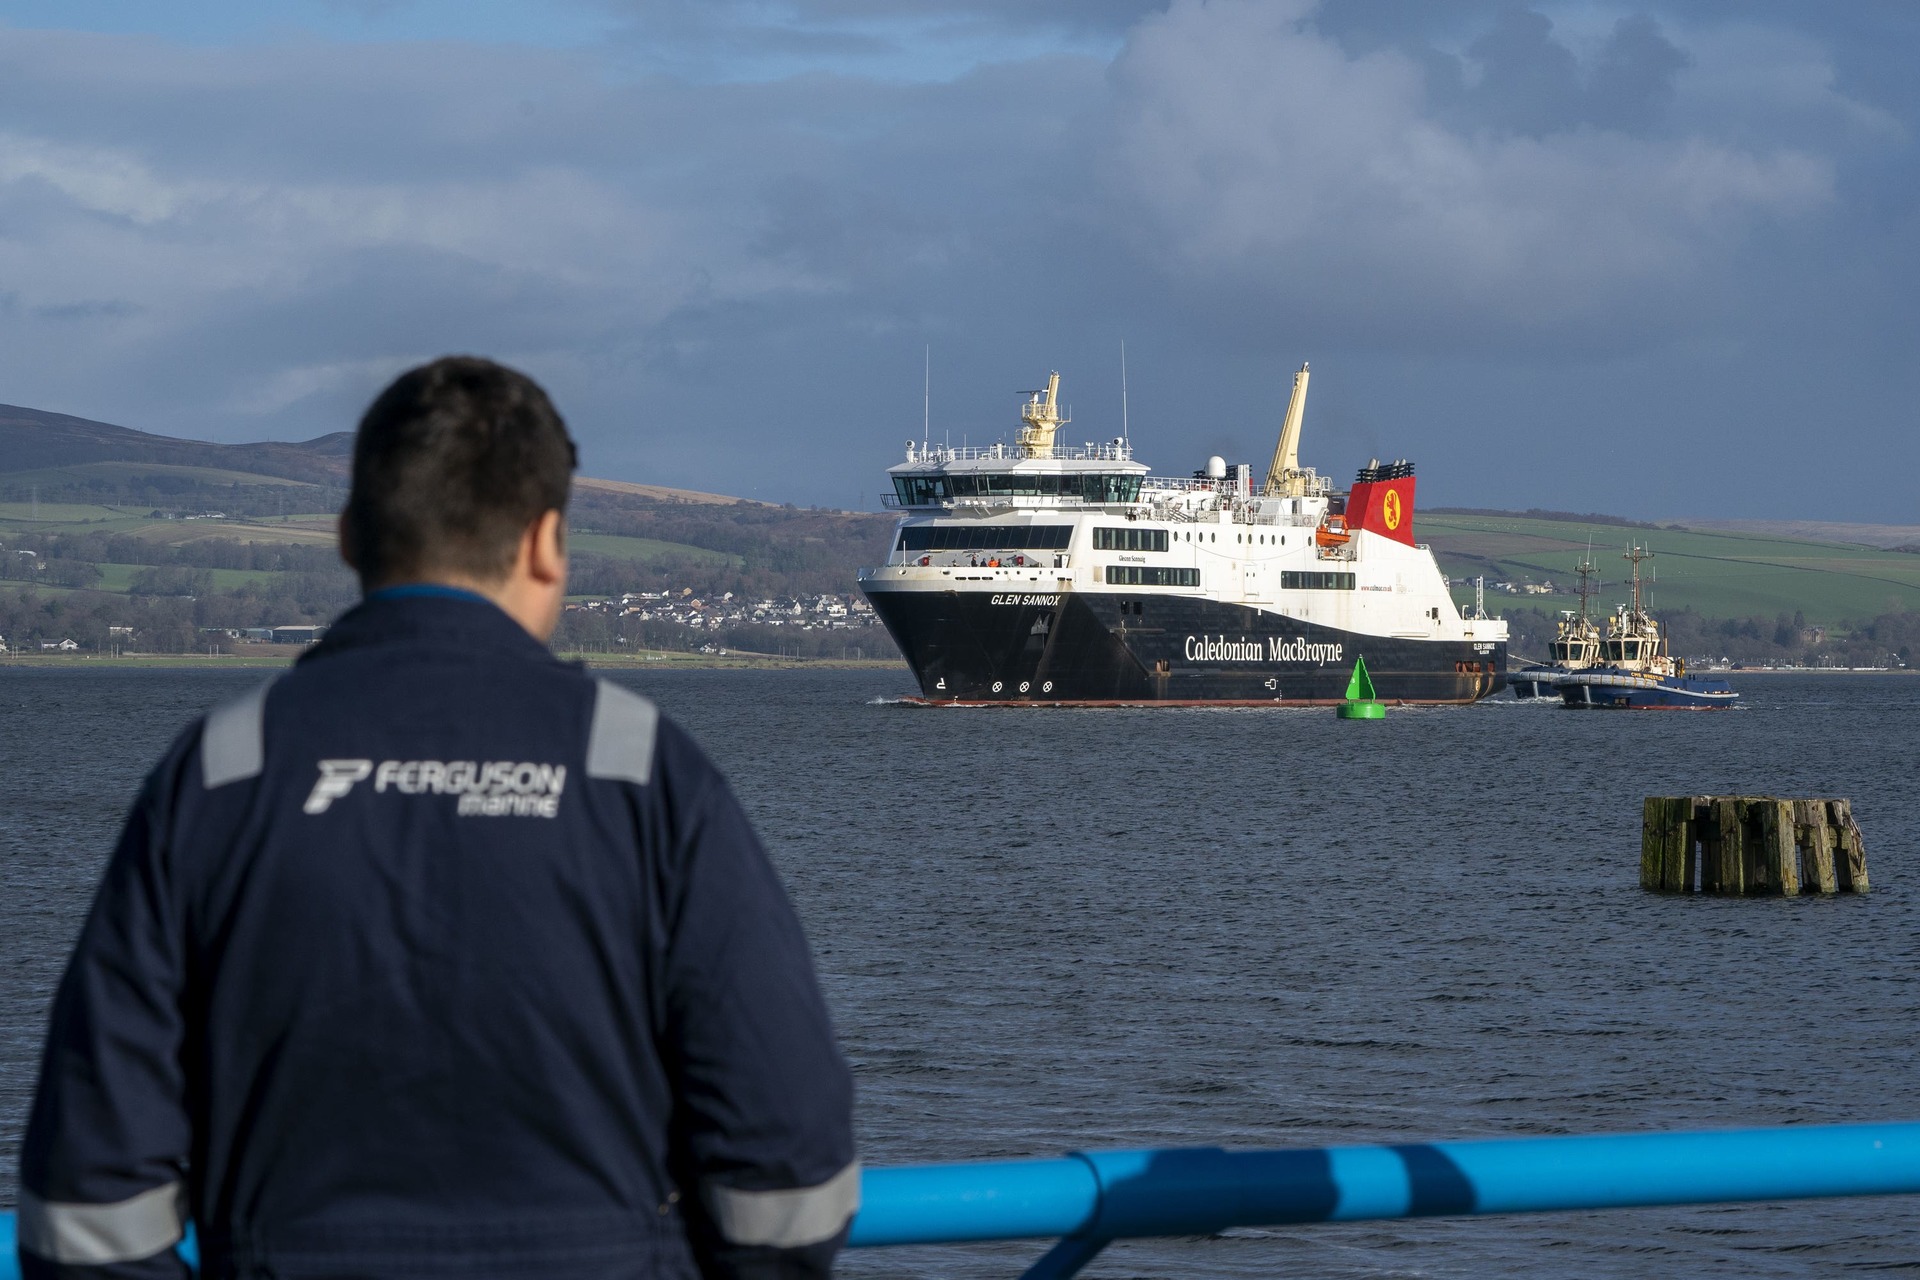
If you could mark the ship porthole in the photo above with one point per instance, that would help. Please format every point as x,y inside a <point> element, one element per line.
<point>1025,685</point>
<point>1047,687</point>
<point>997,686</point>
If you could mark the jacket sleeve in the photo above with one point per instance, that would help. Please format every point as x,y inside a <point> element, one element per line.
<point>764,1099</point>
<point>103,1164</point>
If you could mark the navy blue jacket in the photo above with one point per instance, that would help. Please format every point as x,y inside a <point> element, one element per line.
<point>437,956</point>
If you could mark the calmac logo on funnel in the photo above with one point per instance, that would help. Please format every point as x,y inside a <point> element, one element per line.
<point>1381,501</point>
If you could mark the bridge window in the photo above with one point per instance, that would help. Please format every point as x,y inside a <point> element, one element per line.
<point>1140,575</point>
<point>1292,580</point>
<point>1031,537</point>
<point>1129,539</point>
<point>1023,484</point>
<point>921,491</point>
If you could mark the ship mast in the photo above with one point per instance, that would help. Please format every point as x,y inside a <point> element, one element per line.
<point>1039,419</point>
<point>1586,591</point>
<point>1637,553</point>
<point>1284,477</point>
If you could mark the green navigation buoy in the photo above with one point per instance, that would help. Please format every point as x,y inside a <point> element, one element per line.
<point>1360,703</point>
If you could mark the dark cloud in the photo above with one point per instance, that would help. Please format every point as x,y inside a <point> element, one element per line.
<point>1529,82</point>
<point>1518,75</point>
<point>1632,81</point>
<point>1608,236</point>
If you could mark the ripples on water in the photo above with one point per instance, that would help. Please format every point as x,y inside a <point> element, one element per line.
<point>1042,930</point>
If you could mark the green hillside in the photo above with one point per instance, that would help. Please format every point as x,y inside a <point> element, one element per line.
<point>108,475</point>
<point>646,550</point>
<point>1713,572</point>
<point>104,527</point>
<point>79,520</point>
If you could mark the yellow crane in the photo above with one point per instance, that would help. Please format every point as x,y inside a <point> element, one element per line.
<point>1285,479</point>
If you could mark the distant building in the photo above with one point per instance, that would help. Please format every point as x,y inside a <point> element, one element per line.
<point>63,646</point>
<point>302,634</point>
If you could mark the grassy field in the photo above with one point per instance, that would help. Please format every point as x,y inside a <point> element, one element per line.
<point>1720,573</point>
<point>139,472</point>
<point>144,661</point>
<point>310,529</point>
<point>119,577</point>
<point>47,517</point>
<point>73,517</point>
<point>645,550</point>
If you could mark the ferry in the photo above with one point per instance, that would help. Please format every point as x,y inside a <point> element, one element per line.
<point>1635,671</point>
<point>1043,573</point>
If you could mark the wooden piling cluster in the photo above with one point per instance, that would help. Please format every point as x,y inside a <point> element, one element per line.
<point>1751,845</point>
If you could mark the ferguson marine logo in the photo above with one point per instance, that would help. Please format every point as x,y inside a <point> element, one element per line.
<point>1221,649</point>
<point>487,789</point>
<point>336,779</point>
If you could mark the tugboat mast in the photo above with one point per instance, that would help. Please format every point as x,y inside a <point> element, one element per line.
<point>1637,553</point>
<point>1586,590</point>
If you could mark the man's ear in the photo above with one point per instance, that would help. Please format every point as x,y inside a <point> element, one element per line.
<point>547,548</point>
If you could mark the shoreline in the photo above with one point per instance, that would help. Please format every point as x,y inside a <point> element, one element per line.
<point>1805,671</point>
<point>1736,672</point>
<point>649,660</point>
<point>668,658</point>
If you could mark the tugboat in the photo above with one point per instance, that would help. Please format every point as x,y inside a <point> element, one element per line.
<point>1635,672</point>
<point>1044,573</point>
<point>1575,647</point>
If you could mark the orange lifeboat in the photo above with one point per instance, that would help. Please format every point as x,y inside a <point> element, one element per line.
<point>1332,532</point>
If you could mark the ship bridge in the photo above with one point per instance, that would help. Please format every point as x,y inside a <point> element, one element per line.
<point>1093,474</point>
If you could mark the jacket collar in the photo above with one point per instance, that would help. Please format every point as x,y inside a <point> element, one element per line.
<point>453,619</point>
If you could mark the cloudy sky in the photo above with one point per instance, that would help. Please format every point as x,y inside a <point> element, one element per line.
<point>1657,259</point>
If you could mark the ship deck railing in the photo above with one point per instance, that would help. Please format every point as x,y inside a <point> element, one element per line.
<point>946,559</point>
<point>1107,451</point>
<point>1087,1200</point>
<point>976,504</point>
<point>1150,505</point>
<point>1227,487</point>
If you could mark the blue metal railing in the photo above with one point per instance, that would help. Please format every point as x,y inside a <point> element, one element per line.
<point>1090,1199</point>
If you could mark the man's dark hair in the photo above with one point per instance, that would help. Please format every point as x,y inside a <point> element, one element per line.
<point>450,466</point>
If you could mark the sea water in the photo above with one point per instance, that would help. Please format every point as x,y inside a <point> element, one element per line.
<point>1045,930</point>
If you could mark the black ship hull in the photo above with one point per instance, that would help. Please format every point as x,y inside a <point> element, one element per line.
<point>1107,648</point>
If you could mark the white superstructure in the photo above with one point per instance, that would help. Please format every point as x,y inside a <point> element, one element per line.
<point>1037,521</point>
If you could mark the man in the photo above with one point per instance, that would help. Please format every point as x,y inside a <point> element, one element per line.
<point>436,956</point>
